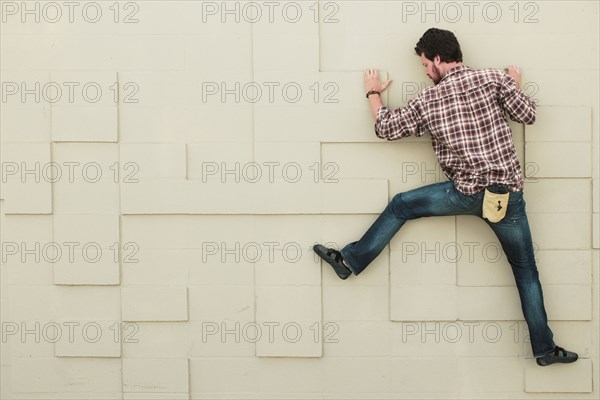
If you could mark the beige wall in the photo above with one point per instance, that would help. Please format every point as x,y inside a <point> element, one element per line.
<point>174,255</point>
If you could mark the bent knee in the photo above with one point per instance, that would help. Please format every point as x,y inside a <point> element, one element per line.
<point>401,207</point>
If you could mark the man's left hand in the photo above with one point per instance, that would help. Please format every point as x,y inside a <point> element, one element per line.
<point>515,73</point>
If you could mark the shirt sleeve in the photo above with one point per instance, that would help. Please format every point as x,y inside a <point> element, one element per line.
<point>515,102</point>
<point>401,122</point>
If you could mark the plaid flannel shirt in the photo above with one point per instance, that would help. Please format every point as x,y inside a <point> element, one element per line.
<point>465,115</point>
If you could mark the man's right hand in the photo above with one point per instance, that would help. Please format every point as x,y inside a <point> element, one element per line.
<point>514,73</point>
<point>372,82</point>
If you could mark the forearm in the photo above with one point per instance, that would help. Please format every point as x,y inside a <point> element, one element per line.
<point>375,103</point>
<point>372,83</point>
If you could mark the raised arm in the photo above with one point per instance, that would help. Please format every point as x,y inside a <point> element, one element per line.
<point>372,83</point>
<point>514,101</point>
<point>396,124</point>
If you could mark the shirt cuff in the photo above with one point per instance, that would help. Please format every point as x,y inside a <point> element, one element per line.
<point>383,111</point>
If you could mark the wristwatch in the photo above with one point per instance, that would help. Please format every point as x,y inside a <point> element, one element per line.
<point>370,92</point>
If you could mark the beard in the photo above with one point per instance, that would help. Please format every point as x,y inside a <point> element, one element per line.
<point>437,75</point>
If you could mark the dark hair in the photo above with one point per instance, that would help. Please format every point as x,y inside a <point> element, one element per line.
<point>439,42</point>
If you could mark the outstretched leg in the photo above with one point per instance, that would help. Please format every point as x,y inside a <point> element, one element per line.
<point>437,199</point>
<point>515,237</point>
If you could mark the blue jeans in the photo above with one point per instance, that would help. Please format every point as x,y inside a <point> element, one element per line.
<point>442,199</point>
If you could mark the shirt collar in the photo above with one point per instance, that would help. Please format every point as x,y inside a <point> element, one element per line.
<point>454,70</point>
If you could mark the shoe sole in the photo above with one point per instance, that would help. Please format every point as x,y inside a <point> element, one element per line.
<point>545,364</point>
<point>323,257</point>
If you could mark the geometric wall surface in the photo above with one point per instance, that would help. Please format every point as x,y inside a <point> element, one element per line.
<point>167,167</point>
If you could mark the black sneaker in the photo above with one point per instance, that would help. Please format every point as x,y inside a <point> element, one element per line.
<point>556,355</point>
<point>333,258</point>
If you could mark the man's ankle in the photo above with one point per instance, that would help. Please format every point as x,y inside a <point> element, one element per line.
<point>346,264</point>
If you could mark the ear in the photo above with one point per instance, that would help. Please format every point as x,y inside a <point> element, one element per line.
<point>437,59</point>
